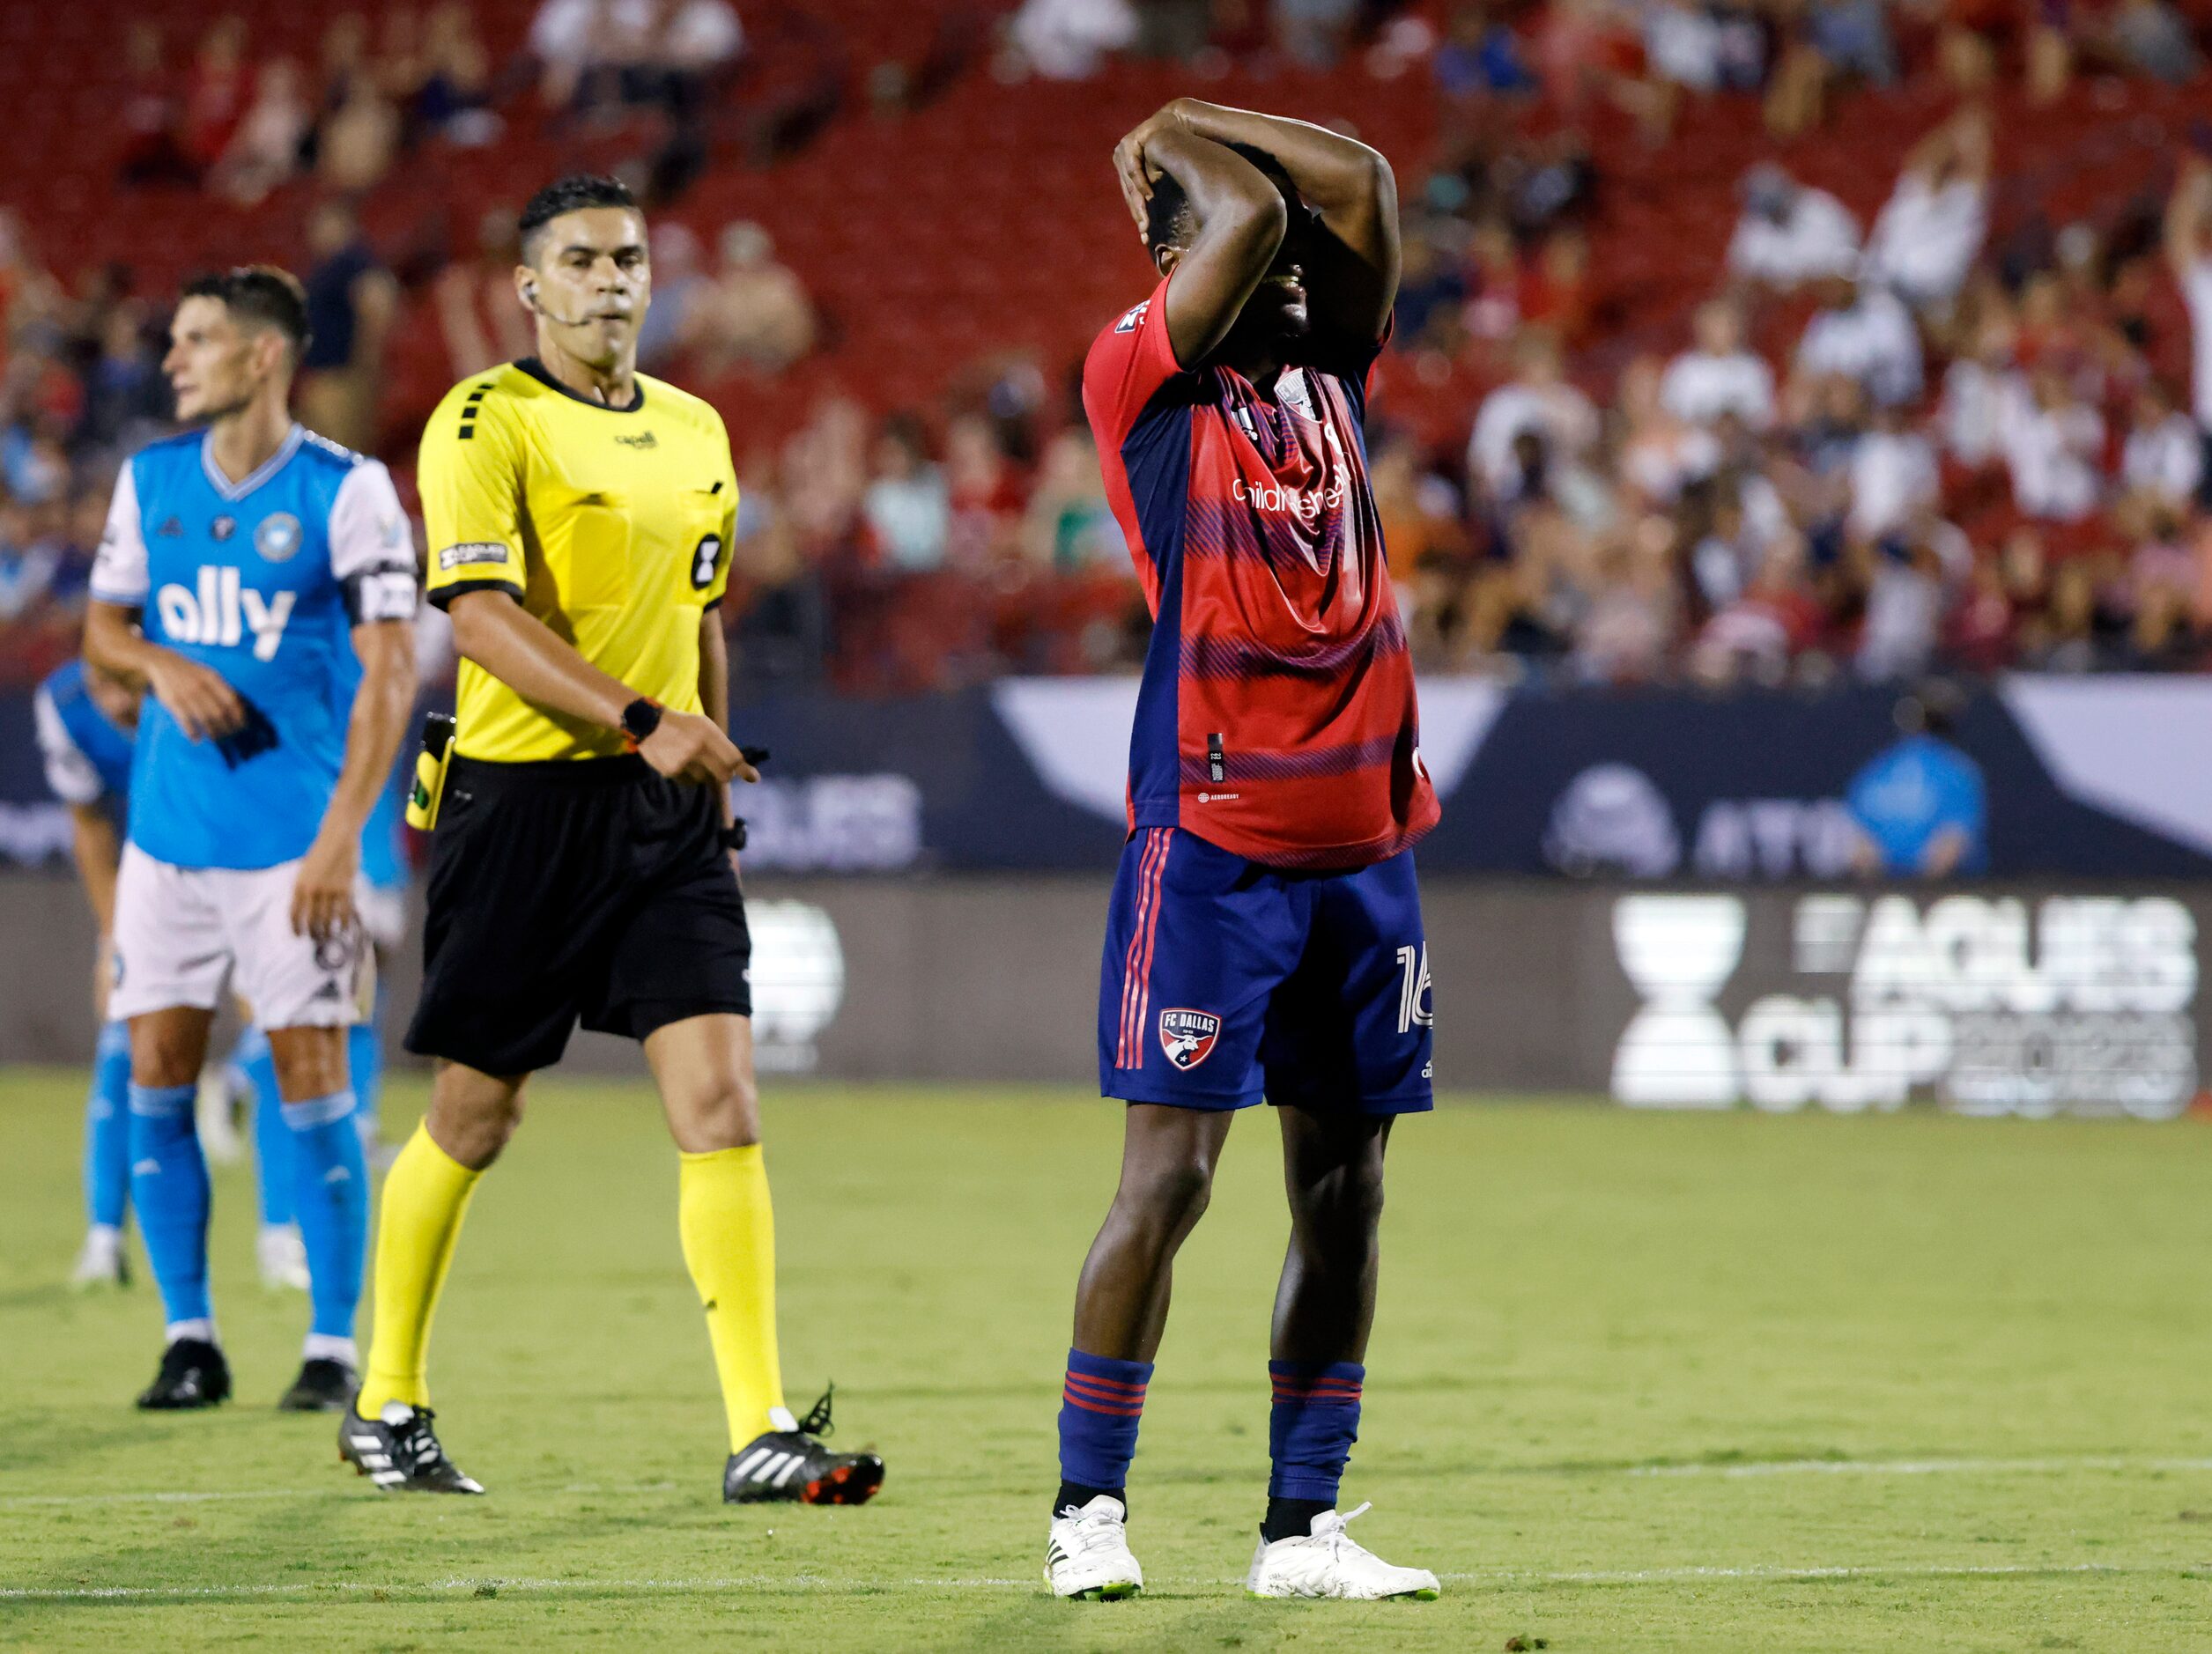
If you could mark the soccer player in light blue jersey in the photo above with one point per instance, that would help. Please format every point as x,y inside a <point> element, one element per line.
<point>85,725</point>
<point>236,561</point>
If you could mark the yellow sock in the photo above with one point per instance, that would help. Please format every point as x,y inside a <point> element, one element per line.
<point>425,1196</point>
<point>729,1244</point>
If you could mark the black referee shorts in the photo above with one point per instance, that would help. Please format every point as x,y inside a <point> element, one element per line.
<point>575,890</point>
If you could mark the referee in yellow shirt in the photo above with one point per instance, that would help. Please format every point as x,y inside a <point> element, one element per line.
<point>579,518</point>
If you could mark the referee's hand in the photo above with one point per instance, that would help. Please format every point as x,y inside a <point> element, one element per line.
<point>691,747</point>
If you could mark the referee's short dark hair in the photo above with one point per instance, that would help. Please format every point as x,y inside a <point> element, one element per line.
<point>260,296</point>
<point>572,193</point>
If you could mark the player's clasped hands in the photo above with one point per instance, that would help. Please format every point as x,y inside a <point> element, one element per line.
<point>690,747</point>
<point>199,698</point>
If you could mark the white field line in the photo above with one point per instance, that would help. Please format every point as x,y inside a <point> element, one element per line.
<point>493,1585</point>
<point>1920,1467</point>
<point>2048,1466</point>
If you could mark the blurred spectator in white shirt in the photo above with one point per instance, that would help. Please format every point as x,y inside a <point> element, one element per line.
<point>2054,443</point>
<point>1979,390</point>
<point>1790,233</point>
<point>1927,236</point>
<point>1071,40</point>
<point>700,36</point>
<point>1682,43</point>
<point>264,151</point>
<point>1893,478</point>
<point>1537,399</point>
<point>2163,458</point>
<point>757,315</point>
<point>1904,593</point>
<point>1863,333</point>
<point>1660,452</point>
<point>907,506</point>
<point>1719,377</point>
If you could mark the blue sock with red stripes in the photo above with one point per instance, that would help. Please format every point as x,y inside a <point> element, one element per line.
<point>1310,1436</point>
<point>1101,1403</point>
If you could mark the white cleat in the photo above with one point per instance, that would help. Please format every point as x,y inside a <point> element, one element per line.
<point>216,1111</point>
<point>1329,1563</point>
<point>283,1257</point>
<point>1087,1553</point>
<point>101,1263</point>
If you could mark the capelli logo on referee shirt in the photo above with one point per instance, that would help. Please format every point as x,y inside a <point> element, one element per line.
<point>643,439</point>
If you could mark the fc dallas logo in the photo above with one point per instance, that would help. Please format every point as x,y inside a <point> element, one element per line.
<point>1188,1036</point>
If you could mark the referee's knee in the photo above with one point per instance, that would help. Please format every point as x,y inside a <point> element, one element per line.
<point>725,1114</point>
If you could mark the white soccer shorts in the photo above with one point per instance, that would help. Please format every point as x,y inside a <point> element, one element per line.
<point>182,932</point>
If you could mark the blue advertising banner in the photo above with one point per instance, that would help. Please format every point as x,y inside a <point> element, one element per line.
<point>2024,777</point>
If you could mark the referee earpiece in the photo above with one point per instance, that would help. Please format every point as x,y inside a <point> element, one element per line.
<point>529,298</point>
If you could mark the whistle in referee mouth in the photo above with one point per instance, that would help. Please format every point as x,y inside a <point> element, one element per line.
<point>430,772</point>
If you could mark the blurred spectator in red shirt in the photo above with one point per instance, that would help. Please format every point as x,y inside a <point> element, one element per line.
<point>215,95</point>
<point>984,495</point>
<point>153,148</point>
<point>1556,295</point>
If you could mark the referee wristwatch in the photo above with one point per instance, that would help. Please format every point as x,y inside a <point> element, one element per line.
<point>639,719</point>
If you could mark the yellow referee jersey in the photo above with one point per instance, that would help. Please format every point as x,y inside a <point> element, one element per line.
<point>611,525</point>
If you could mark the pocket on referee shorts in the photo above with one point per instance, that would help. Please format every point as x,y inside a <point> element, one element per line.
<point>592,569</point>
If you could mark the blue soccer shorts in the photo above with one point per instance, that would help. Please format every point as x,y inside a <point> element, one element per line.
<point>1226,982</point>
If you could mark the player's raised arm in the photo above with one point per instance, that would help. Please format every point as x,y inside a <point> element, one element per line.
<point>1236,223</point>
<point>1350,247</point>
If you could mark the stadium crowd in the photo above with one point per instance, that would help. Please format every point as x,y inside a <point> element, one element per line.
<point>1877,447</point>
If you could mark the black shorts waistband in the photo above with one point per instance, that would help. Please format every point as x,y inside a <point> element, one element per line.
<point>541,774</point>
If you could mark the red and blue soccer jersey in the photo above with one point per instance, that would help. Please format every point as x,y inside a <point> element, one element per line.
<point>1276,718</point>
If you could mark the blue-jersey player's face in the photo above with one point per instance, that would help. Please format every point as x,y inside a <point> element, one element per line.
<point>214,365</point>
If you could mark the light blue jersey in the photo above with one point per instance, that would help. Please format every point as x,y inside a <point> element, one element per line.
<point>262,581</point>
<point>87,754</point>
<point>1915,790</point>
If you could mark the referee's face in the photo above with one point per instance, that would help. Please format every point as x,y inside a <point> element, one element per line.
<point>591,284</point>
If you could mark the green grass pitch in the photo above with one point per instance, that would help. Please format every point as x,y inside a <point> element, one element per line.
<point>1647,1383</point>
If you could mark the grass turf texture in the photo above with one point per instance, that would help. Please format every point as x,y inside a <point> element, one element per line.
<point>1638,1383</point>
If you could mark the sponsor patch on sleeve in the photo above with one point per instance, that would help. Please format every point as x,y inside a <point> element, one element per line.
<point>468,551</point>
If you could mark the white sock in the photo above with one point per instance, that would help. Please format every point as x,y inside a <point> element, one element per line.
<point>204,1331</point>
<point>324,1347</point>
<point>108,1236</point>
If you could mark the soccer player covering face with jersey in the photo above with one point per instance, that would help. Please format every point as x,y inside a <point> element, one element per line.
<point>1265,940</point>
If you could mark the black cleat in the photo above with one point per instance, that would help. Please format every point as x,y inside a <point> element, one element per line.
<point>794,1465</point>
<point>399,1452</point>
<point>322,1386</point>
<point>193,1374</point>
